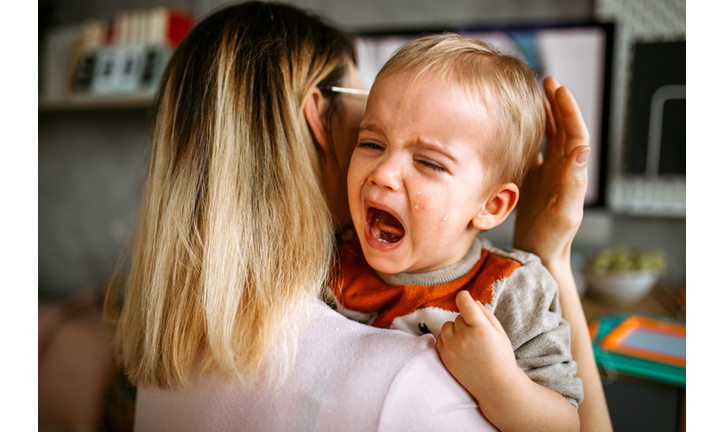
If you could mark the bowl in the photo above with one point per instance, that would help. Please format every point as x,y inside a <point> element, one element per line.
<point>622,287</point>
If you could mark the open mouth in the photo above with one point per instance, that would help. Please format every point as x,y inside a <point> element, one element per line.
<point>383,226</point>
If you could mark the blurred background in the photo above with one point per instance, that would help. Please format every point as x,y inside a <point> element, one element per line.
<point>99,62</point>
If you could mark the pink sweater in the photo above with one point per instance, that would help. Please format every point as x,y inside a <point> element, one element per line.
<point>347,376</point>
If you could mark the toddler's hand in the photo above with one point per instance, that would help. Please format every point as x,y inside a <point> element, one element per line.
<point>476,350</point>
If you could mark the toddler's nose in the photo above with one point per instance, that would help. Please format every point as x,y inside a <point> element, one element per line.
<point>387,174</point>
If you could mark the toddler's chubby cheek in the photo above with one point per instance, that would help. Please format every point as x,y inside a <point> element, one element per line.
<point>424,203</point>
<point>419,201</point>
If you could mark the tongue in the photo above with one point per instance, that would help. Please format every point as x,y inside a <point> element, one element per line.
<point>387,228</point>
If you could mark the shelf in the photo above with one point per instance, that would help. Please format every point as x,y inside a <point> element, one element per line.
<point>652,196</point>
<point>93,102</point>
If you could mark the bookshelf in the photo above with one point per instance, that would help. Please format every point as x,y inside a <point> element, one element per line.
<point>111,64</point>
<point>95,102</point>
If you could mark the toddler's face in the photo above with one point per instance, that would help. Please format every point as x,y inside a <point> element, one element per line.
<point>416,176</point>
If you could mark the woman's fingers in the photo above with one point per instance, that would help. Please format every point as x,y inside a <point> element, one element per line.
<point>572,193</point>
<point>572,120</point>
<point>567,129</point>
<point>554,144</point>
<point>550,145</point>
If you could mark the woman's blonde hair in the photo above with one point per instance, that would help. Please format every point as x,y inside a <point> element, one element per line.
<point>234,235</point>
<point>503,83</point>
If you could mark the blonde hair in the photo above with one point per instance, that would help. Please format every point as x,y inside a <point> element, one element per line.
<point>234,235</point>
<point>504,84</point>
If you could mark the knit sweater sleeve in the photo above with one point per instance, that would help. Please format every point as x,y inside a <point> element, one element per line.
<point>528,308</point>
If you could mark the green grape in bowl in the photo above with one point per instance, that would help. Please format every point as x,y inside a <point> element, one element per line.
<point>623,275</point>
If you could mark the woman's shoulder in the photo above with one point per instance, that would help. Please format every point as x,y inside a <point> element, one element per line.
<point>346,376</point>
<point>424,396</point>
<point>414,390</point>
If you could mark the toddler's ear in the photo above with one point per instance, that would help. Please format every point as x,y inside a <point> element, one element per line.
<point>497,207</point>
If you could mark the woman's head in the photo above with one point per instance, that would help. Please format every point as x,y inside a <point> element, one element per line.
<point>337,138</point>
<point>233,233</point>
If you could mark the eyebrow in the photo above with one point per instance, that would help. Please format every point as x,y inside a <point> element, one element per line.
<point>370,127</point>
<point>419,142</point>
<point>437,148</point>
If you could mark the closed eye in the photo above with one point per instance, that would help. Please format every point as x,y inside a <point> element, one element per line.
<point>370,145</point>
<point>432,165</point>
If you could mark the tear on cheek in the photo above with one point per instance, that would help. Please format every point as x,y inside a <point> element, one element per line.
<point>384,227</point>
<point>419,204</point>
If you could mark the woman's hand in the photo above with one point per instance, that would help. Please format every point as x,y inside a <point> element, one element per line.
<point>552,196</point>
<point>549,214</point>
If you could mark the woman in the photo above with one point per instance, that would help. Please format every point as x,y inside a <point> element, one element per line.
<point>221,325</point>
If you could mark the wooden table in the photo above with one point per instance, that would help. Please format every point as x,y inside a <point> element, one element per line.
<point>595,307</point>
